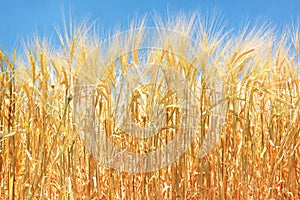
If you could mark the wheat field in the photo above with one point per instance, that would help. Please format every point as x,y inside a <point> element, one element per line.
<point>46,153</point>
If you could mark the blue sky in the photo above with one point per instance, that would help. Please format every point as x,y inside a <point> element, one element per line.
<point>23,18</point>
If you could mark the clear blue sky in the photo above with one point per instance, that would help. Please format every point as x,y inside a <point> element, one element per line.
<point>23,18</point>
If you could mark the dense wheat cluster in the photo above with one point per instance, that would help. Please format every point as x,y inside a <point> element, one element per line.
<point>44,153</point>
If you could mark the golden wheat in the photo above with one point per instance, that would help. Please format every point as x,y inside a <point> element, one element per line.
<point>42,151</point>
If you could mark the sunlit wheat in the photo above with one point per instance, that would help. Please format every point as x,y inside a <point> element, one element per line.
<point>60,105</point>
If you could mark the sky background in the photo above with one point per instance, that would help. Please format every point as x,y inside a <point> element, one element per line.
<point>23,18</point>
